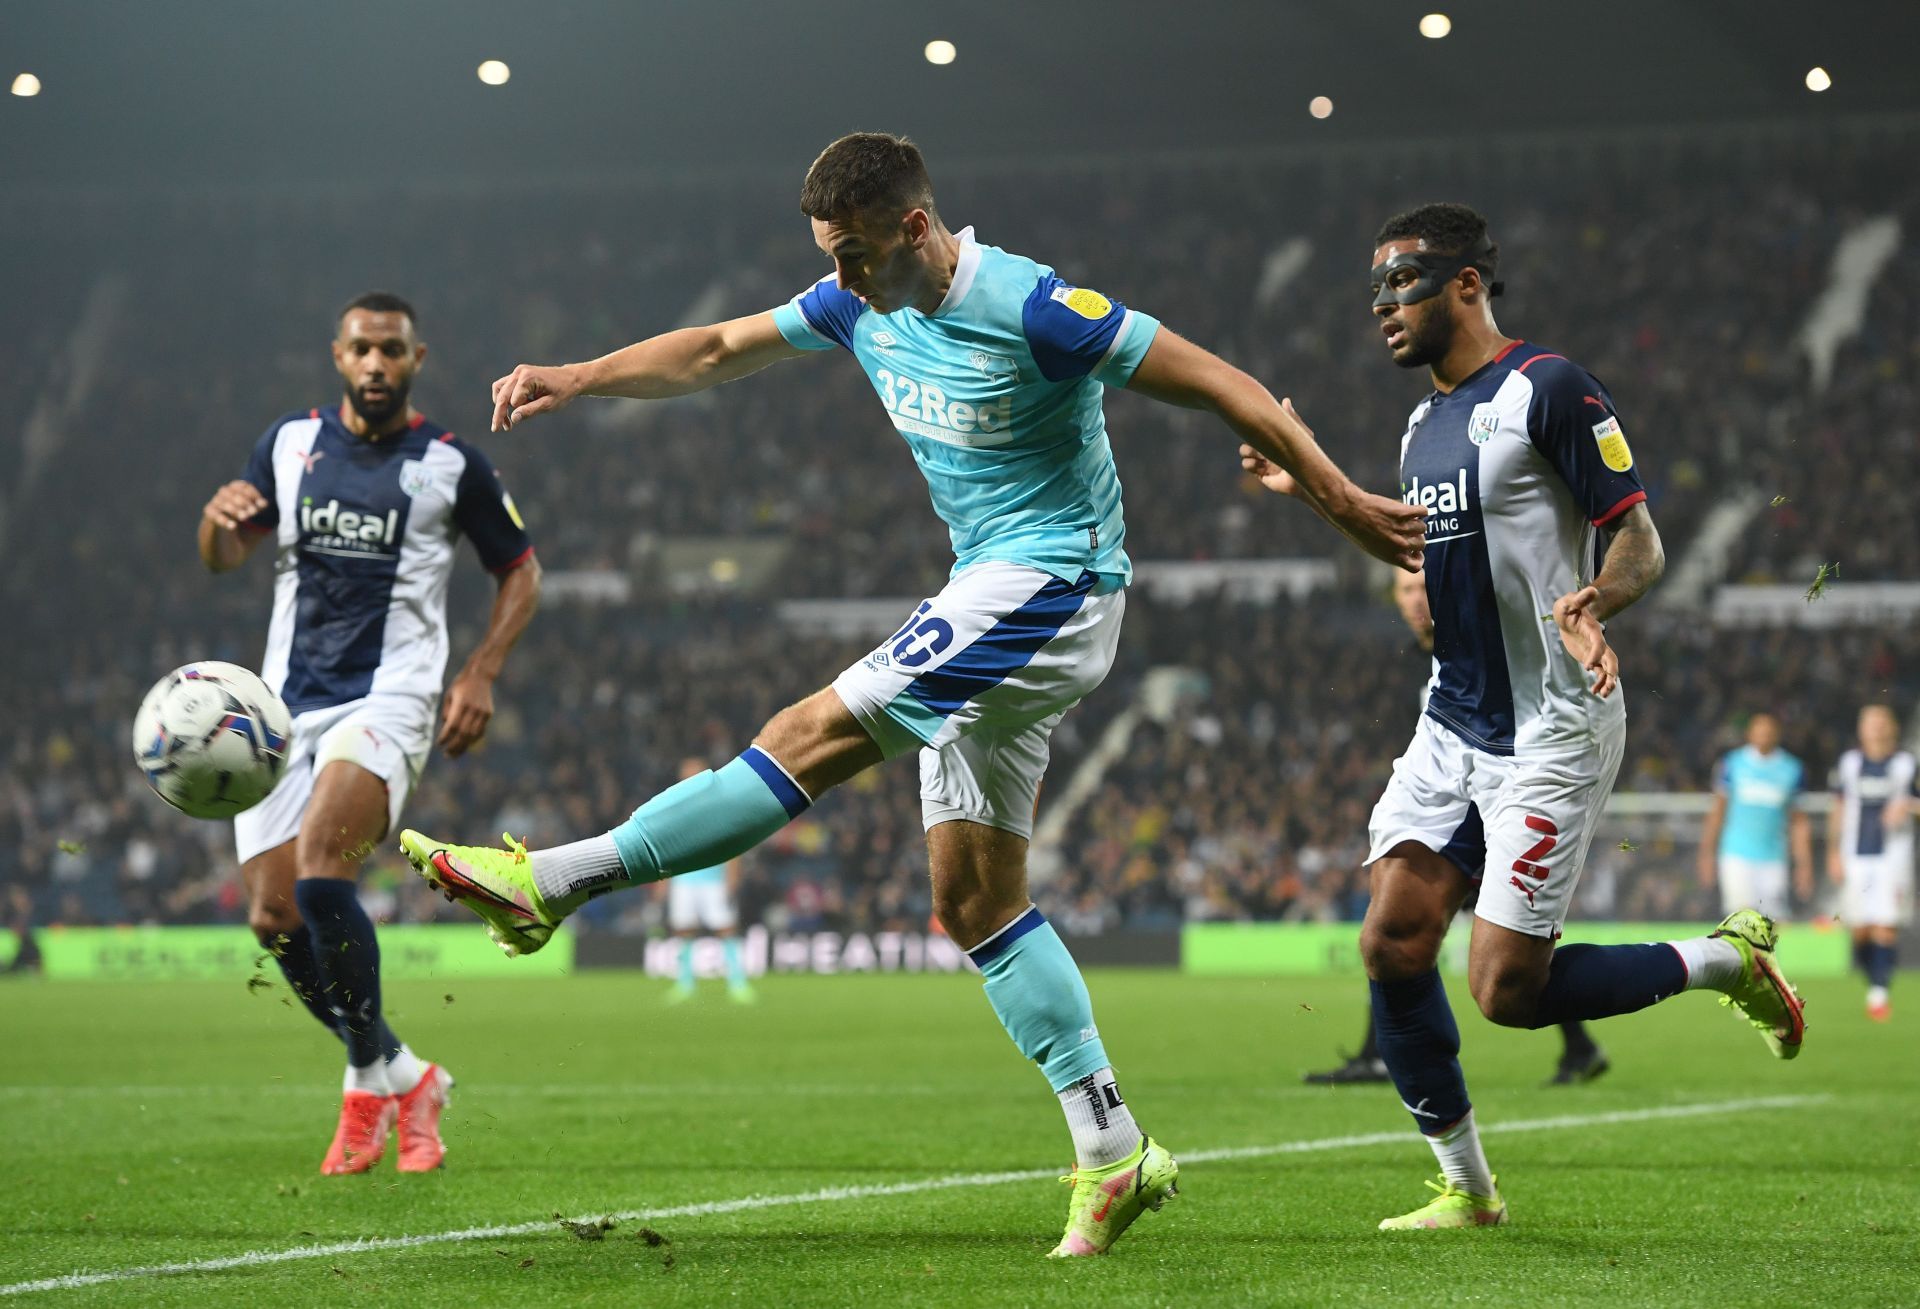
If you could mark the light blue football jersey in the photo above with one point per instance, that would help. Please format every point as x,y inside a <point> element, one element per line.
<point>1760,789</point>
<point>997,393</point>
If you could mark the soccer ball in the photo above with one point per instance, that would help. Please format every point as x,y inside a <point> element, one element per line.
<point>212,739</point>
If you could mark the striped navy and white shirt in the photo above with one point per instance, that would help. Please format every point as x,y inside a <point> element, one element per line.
<point>365,534</point>
<point>1865,786</point>
<point>1520,465</point>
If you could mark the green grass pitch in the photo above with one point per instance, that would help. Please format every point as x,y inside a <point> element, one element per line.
<point>185,1123</point>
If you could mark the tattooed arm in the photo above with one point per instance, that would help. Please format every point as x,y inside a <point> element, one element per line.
<point>1634,563</point>
<point>1635,560</point>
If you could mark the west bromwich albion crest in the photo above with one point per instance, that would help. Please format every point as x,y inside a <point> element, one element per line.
<point>1484,423</point>
<point>414,477</point>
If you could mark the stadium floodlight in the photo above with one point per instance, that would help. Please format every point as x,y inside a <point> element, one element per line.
<point>1435,26</point>
<point>941,52</point>
<point>26,84</point>
<point>495,73</point>
<point>1320,107</point>
<point>1817,79</point>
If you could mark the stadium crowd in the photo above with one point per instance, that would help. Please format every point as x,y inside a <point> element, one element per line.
<point>1250,802</point>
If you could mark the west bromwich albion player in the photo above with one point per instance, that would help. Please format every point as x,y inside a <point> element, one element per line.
<point>1871,849</point>
<point>1521,458</point>
<point>991,368</point>
<point>1753,826</point>
<point>365,504</point>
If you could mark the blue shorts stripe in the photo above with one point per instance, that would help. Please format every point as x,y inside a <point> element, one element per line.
<point>791,797</point>
<point>988,951</point>
<point>1467,850</point>
<point>1004,649</point>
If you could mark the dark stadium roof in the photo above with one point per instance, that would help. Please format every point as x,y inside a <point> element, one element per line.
<point>240,90</point>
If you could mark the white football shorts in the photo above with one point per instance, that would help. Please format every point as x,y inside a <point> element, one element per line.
<point>976,680</point>
<point>1753,884</point>
<point>1520,827</point>
<point>1876,890</point>
<point>699,906</point>
<point>388,735</point>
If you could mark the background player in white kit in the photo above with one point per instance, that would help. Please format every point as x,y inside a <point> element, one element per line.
<point>1870,849</point>
<point>365,504</point>
<point>1519,458</point>
<point>706,900</point>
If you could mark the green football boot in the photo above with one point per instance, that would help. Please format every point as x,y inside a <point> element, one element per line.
<point>496,884</point>
<point>1763,994</point>
<point>1453,1207</point>
<point>1107,1200</point>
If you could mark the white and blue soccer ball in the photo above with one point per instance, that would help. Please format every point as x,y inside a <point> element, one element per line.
<point>211,739</point>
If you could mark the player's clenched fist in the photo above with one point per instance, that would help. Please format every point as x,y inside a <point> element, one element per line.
<point>233,504</point>
<point>529,390</point>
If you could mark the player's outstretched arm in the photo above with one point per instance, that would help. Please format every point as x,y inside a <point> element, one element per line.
<point>469,702</point>
<point>673,363</point>
<point>1179,372</point>
<point>225,540</point>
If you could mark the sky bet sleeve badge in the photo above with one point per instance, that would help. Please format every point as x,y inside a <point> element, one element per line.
<point>1613,445</point>
<point>1088,304</point>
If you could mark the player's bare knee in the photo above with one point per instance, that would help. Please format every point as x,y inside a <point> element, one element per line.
<point>1396,950</point>
<point>1507,997</point>
<point>269,922</point>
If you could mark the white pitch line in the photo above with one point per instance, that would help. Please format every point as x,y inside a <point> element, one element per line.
<point>841,1194</point>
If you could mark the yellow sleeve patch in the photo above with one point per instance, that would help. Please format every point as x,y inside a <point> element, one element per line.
<point>1088,304</point>
<point>513,511</point>
<point>1614,451</point>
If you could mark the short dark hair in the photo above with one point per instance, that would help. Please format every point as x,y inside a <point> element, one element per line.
<point>866,173</point>
<point>1447,229</point>
<point>378,302</point>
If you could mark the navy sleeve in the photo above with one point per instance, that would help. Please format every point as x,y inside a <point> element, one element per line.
<point>260,474</point>
<point>825,310</point>
<point>1720,779</point>
<point>1572,421</point>
<point>486,513</point>
<point>1070,329</point>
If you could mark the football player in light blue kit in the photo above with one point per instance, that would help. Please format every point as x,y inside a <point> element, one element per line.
<point>991,368</point>
<point>1753,826</point>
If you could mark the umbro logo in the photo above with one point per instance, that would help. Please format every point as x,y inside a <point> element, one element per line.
<point>884,342</point>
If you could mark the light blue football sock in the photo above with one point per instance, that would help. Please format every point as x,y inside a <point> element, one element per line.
<point>736,967</point>
<point>709,818</point>
<point>686,964</point>
<point>1036,989</point>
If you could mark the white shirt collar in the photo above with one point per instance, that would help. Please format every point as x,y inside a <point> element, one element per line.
<point>963,270</point>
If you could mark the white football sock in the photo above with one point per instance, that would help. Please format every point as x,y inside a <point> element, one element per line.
<point>404,1071</point>
<point>1712,962</point>
<point>1877,996</point>
<point>371,1078</point>
<point>566,874</point>
<point>1103,1128</point>
<point>1462,1159</point>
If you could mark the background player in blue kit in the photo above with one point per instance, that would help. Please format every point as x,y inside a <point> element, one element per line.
<point>1521,458</point>
<point>1753,828</point>
<point>991,368</point>
<point>1870,849</point>
<point>365,504</point>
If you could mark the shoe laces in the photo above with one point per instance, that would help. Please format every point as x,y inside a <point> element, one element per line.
<point>1445,1189</point>
<point>517,848</point>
